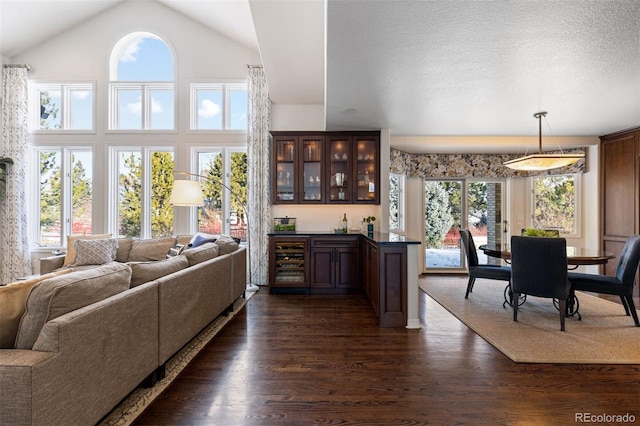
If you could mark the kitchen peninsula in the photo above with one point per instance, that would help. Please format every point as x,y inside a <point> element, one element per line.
<point>377,264</point>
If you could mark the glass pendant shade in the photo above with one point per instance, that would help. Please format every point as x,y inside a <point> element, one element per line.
<point>540,161</point>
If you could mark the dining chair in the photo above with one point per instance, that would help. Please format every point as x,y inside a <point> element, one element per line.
<point>476,270</point>
<point>619,285</point>
<point>539,268</point>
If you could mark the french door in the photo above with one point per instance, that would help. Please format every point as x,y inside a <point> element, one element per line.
<point>477,205</point>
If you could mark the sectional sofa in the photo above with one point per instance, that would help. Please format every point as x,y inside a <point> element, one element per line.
<point>91,336</point>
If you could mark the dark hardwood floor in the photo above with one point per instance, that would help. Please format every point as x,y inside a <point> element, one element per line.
<point>322,360</point>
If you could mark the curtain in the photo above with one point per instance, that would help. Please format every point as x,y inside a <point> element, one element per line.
<point>15,259</point>
<point>258,175</point>
<point>469,165</point>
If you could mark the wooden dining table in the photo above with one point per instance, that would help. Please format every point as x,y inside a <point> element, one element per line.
<point>576,256</point>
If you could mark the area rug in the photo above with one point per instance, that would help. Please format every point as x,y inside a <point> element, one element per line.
<point>132,406</point>
<point>605,335</point>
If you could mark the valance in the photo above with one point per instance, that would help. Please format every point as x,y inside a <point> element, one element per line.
<point>470,165</point>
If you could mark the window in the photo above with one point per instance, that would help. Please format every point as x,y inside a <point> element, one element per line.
<point>61,107</point>
<point>554,203</point>
<point>396,202</point>
<point>141,92</point>
<point>139,203</point>
<point>223,212</point>
<point>219,106</point>
<point>64,194</point>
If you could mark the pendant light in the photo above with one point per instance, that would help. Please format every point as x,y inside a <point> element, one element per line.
<point>540,161</point>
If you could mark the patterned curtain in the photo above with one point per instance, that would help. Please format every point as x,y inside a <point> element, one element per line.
<point>15,260</point>
<point>470,165</point>
<point>258,178</point>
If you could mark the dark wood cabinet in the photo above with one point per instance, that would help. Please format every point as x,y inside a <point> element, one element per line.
<point>371,285</point>
<point>620,190</point>
<point>289,266</point>
<point>318,263</point>
<point>298,168</point>
<point>335,263</point>
<point>353,172</point>
<point>326,167</point>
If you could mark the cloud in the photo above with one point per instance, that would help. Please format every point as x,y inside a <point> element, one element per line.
<point>130,53</point>
<point>80,94</point>
<point>209,109</point>
<point>136,107</point>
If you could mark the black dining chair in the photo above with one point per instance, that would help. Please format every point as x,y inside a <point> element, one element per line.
<point>539,268</point>
<point>476,270</point>
<point>619,285</point>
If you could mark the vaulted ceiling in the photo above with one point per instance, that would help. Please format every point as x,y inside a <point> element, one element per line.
<point>420,68</point>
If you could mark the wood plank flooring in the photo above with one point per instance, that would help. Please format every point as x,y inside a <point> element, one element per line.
<point>322,360</point>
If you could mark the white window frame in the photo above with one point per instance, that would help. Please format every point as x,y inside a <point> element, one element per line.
<point>66,89</point>
<point>226,175</point>
<point>225,87</point>
<point>113,210</point>
<point>577,185</point>
<point>401,203</point>
<point>145,89</point>
<point>66,209</point>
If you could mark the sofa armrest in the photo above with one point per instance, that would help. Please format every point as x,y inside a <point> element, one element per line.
<point>51,263</point>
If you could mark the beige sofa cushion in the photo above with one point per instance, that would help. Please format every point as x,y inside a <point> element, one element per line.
<point>124,247</point>
<point>201,253</point>
<point>183,239</point>
<point>154,249</point>
<point>70,257</point>
<point>226,244</point>
<point>13,299</point>
<point>143,272</point>
<point>57,296</point>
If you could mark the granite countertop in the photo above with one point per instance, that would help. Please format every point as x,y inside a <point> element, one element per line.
<point>377,237</point>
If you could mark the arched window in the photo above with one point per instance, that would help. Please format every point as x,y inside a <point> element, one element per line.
<point>141,89</point>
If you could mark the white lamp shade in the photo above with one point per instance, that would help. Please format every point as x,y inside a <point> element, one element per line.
<point>186,193</point>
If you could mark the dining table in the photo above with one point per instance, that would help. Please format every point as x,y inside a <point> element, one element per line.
<point>576,256</point>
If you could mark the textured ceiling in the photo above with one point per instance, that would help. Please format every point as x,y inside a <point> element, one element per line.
<point>483,68</point>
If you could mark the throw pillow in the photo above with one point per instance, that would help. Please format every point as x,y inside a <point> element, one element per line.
<point>13,299</point>
<point>175,250</point>
<point>200,254</point>
<point>200,239</point>
<point>57,296</point>
<point>71,245</point>
<point>95,252</point>
<point>143,272</point>
<point>153,249</point>
<point>226,244</point>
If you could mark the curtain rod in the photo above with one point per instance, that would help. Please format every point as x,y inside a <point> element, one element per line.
<point>27,66</point>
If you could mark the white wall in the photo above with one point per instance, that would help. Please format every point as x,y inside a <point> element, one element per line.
<point>83,54</point>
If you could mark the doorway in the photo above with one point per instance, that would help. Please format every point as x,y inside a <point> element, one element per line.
<point>475,204</point>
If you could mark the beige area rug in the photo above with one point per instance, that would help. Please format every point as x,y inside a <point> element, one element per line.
<point>605,335</point>
<point>132,406</point>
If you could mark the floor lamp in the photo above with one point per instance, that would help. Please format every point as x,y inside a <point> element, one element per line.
<point>188,193</point>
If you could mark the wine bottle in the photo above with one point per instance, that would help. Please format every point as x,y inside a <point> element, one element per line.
<point>344,224</point>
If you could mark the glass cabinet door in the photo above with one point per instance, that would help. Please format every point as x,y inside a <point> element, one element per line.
<point>312,169</point>
<point>285,170</point>
<point>366,170</point>
<point>339,153</point>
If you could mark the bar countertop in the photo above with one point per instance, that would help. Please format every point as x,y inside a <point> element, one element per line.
<point>379,238</point>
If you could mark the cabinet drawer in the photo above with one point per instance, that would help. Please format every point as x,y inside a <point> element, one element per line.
<point>338,241</point>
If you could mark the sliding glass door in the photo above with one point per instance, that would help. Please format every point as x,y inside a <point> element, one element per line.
<point>477,205</point>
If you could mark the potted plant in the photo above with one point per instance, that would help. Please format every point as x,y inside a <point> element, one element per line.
<point>369,220</point>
